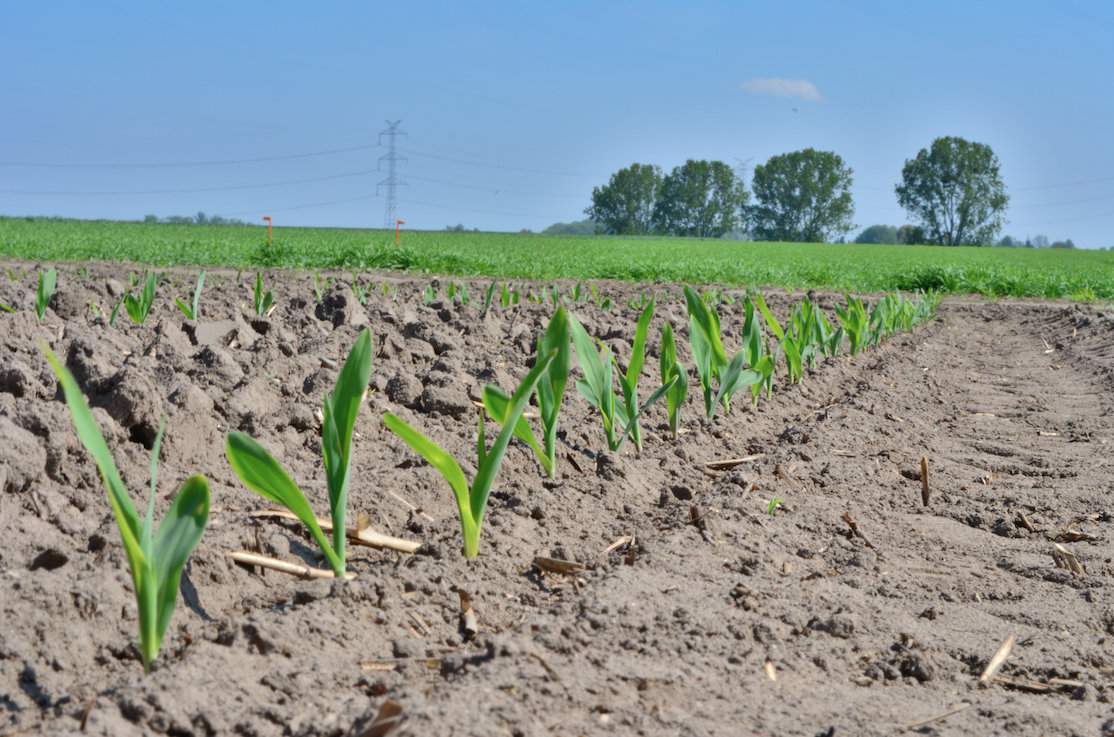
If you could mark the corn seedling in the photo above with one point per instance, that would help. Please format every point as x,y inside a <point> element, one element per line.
<point>138,308</point>
<point>489,298</point>
<point>48,281</point>
<point>720,379</point>
<point>156,557</point>
<point>673,371</point>
<point>261,473</point>
<point>619,415</point>
<point>359,291</point>
<point>320,286</point>
<point>261,299</point>
<point>550,392</point>
<point>855,323</point>
<point>193,310</point>
<point>755,351</point>
<point>471,500</point>
<point>789,345</point>
<point>115,313</point>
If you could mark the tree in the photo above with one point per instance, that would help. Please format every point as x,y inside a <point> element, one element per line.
<point>802,196</point>
<point>911,235</point>
<point>878,234</point>
<point>578,227</point>
<point>625,205</point>
<point>702,199</point>
<point>956,192</point>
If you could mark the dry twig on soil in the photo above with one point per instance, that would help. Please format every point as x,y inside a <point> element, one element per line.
<point>999,658</point>
<point>362,535</point>
<point>243,557</point>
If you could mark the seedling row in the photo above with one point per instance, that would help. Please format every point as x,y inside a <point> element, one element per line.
<point>726,370</point>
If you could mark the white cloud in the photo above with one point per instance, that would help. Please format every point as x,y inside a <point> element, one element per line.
<point>801,89</point>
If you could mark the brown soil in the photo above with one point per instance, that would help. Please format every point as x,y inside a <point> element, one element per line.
<point>719,620</point>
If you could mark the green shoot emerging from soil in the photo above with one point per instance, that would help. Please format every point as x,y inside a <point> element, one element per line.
<point>48,281</point>
<point>193,310</point>
<point>261,300</point>
<point>672,370</point>
<point>156,557</point>
<point>620,418</point>
<point>550,392</point>
<point>471,501</point>
<point>261,473</point>
<point>138,308</point>
<point>710,356</point>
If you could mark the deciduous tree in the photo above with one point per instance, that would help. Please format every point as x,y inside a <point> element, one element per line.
<point>955,190</point>
<point>802,196</point>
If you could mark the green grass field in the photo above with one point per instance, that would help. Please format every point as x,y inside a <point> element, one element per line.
<point>1083,275</point>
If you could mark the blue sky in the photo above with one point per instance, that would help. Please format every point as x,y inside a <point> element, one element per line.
<point>514,111</point>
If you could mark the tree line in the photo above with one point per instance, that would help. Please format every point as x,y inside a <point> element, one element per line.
<point>952,190</point>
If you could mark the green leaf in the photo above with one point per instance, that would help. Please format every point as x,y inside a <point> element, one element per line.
<point>734,378</point>
<point>115,313</point>
<point>485,474</point>
<point>551,387</point>
<point>638,347</point>
<point>195,308</point>
<point>48,281</point>
<point>596,385</point>
<point>707,323</point>
<point>185,309</point>
<point>653,399</point>
<point>90,435</point>
<point>445,464</point>
<point>178,535</point>
<point>340,410</point>
<point>771,321</point>
<point>498,406</point>
<point>261,473</point>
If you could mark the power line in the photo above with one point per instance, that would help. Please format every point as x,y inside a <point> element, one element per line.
<point>227,188</point>
<point>186,164</point>
<point>489,165</point>
<point>493,190</point>
<point>306,206</point>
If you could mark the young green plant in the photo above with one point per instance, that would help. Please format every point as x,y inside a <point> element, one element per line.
<point>193,310</point>
<point>261,473</point>
<point>48,281</point>
<point>471,500</point>
<point>550,392</point>
<point>720,379</point>
<point>672,371</point>
<point>261,300</point>
<point>619,416</point>
<point>156,557</point>
<point>139,307</point>
<point>854,322</point>
<point>789,344</point>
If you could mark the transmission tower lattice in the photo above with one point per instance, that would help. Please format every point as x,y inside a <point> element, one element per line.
<point>392,182</point>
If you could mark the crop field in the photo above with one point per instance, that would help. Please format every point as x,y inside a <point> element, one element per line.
<point>260,500</point>
<point>995,272</point>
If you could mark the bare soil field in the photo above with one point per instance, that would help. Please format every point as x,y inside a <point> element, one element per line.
<point>855,609</point>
